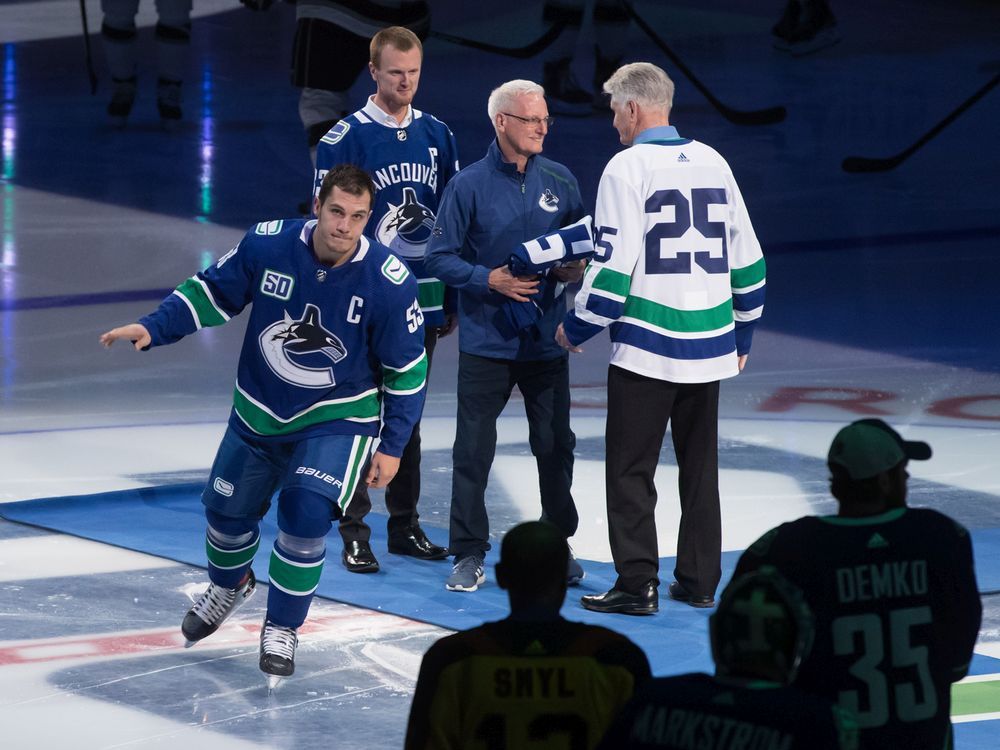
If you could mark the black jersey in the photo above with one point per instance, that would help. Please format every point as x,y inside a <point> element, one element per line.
<point>510,684</point>
<point>700,712</point>
<point>897,614</point>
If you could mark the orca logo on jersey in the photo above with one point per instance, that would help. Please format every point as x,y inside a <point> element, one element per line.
<point>288,345</point>
<point>406,227</point>
<point>549,201</point>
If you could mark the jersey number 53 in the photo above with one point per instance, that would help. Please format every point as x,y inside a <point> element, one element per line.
<point>414,317</point>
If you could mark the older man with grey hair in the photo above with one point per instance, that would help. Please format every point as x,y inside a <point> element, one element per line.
<point>679,278</point>
<point>488,209</point>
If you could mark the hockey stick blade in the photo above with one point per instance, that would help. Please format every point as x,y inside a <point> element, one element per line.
<point>857,164</point>
<point>767,116</point>
<point>521,53</point>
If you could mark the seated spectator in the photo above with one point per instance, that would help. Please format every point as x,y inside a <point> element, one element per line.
<point>893,589</point>
<point>759,633</point>
<point>532,679</point>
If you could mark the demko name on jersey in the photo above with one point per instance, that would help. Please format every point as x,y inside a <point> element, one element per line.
<point>888,580</point>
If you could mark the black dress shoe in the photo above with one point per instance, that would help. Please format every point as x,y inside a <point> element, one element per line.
<point>359,558</point>
<point>646,602</point>
<point>680,594</point>
<point>413,541</point>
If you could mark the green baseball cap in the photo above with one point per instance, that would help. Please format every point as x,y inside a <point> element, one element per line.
<point>869,446</point>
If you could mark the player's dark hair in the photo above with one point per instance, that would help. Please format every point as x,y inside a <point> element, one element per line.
<point>853,492</point>
<point>350,179</point>
<point>533,556</point>
<point>762,628</point>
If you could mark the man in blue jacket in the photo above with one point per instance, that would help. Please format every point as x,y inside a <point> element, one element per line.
<point>512,195</point>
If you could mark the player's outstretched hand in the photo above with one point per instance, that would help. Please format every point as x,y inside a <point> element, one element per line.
<point>134,332</point>
<point>381,470</point>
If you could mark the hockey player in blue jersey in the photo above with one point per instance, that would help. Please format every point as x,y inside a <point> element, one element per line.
<point>410,156</point>
<point>334,342</point>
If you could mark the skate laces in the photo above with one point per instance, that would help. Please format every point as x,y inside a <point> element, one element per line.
<point>214,604</point>
<point>277,640</point>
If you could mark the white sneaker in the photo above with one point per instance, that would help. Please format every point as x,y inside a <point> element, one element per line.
<point>574,571</point>
<point>467,574</point>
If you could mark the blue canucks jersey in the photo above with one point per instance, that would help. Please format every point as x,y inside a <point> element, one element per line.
<point>324,347</point>
<point>410,166</point>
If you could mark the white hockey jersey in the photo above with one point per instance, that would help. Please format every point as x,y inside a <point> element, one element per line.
<point>678,272</point>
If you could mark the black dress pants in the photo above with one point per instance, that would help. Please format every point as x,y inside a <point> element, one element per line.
<point>639,409</point>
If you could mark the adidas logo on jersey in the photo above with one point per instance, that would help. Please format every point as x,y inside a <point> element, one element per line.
<point>682,158</point>
<point>877,541</point>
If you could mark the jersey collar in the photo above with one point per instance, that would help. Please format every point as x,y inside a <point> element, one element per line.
<point>377,114</point>
<point>660,133</point>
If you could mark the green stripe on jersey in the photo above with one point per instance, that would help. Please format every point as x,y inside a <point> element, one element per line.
<point>230,559</point>
<point>203,305</point>
<point>364,406</point>
<point>430,294</point>
<point>298,580</point>
<point>612,282</point>
<point>410,379</point>
<point>740,278</point>
<point>681,321</point>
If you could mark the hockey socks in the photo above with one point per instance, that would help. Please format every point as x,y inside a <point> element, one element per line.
<point>230,546</point>
<point>294,577</point>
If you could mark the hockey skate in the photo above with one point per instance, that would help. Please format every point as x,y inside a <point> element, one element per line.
<point>214,607</point>
<point>277,652</point>
<point>168,102</point>
<point>122,99</point>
